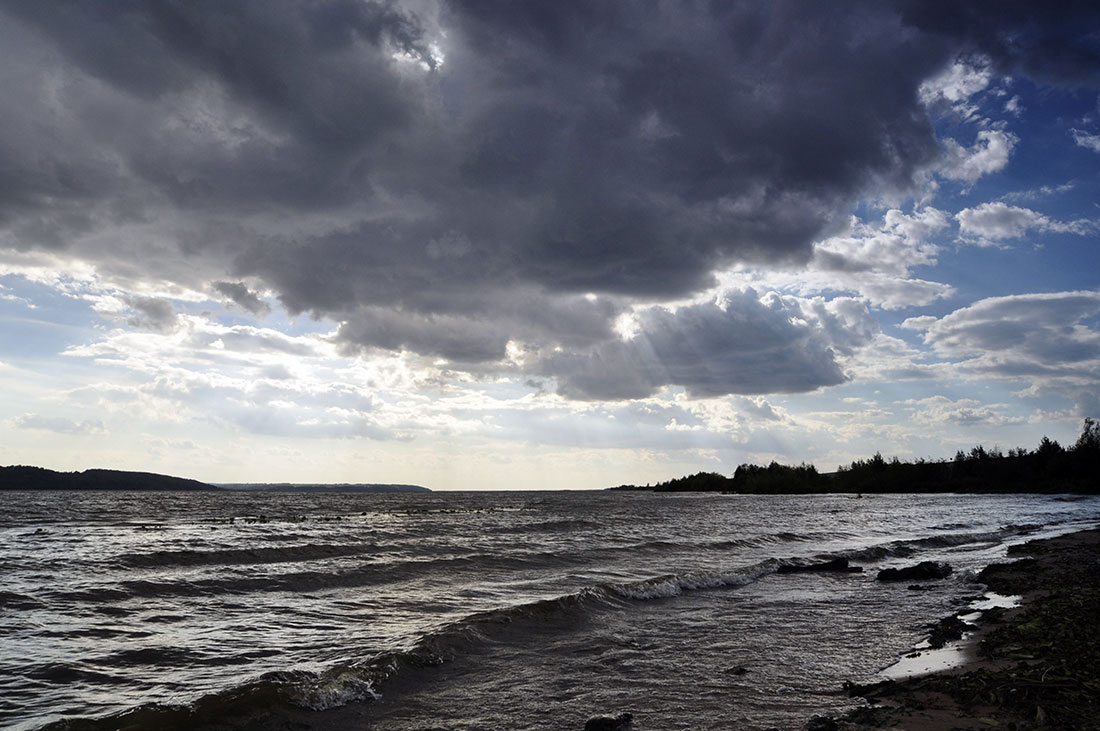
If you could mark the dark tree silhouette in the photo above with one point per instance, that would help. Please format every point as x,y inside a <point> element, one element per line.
<point>1050,468</point>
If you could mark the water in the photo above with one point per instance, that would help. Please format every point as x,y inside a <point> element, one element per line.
<point>471,610</point>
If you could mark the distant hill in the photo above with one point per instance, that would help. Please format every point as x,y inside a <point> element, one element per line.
<point>22,477</point>
<point>321,487</point>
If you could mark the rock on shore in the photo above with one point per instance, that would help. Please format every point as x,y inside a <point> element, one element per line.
<point>923,571</point>
<point>1037,668</point>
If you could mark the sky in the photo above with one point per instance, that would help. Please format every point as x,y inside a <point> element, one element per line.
<point>543,245</point>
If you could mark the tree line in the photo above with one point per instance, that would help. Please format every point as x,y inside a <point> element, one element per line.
<point>1050,467</point>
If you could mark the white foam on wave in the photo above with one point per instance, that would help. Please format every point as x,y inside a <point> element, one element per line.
<point>663,587</point>
<point>336,690</point>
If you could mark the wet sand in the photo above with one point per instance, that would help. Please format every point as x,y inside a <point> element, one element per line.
<point>1035,666</point>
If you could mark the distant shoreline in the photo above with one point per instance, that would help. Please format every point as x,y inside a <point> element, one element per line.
<point>25,477</point>
<point>319,487</point>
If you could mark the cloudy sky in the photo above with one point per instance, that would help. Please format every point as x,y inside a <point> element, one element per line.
<point>543,244</point>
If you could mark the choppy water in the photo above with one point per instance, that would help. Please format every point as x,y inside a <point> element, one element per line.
<point>470,610</point>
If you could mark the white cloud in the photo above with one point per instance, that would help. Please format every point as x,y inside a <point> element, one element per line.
<point>1042,191</point>
<point>1049,340</point>
<point>956,84</point>
<point>870,260</point>
<point>899,244</point>
<point>238,376</point>
<point>989,154</point>
<point>59,424</point>
<point>1086,140</point>
<point>8,297</point>
<point>941,410</point>
<point>996,221</point>
<point>887,358</point>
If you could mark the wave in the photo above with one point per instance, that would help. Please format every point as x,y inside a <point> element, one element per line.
<point>552,526</point>
<point>385,570</point>
<point>376,573</point>
<point>717,546</point>
<point>662,587</point>
<point>910,546</point>
<point>232,556</point>
<point>367,574</point>
<point>15,600</point>
<point>363,681</point>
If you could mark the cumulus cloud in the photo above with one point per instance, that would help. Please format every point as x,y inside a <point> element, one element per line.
<point>872,259</point>
<point>957,83</point>
<point>473,332</point>
<point>940,410</point>
<point>743,344</point>
<point>1049,342</point>
<point>563,149</point>
<point>887,358</point>
<point>954,87</point>
<point>989,154</point>
<point>1028,335</point>
<point>996,221</point>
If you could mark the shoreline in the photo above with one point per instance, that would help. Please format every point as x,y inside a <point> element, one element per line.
<point>1033,666</point>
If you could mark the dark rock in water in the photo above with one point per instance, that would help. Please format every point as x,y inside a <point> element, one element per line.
<point>923,571</point>
<point>610,723</point>
<point>946,630</point>
<point>917,587</point>
<point>737,670</point>
<point>837,564</point>
<point>822,723</point>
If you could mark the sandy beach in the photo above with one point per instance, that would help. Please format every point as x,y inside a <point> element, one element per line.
<point>1036,666</point>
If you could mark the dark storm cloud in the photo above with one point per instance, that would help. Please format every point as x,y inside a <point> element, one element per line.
<point>242,296</point>
<point>310,67</point>
<point>742,345</point>
<point>152,313</point>
<point>671,141</point>
<point>470,333</point>
<point>1056,41</point>
<point>446,178</point>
